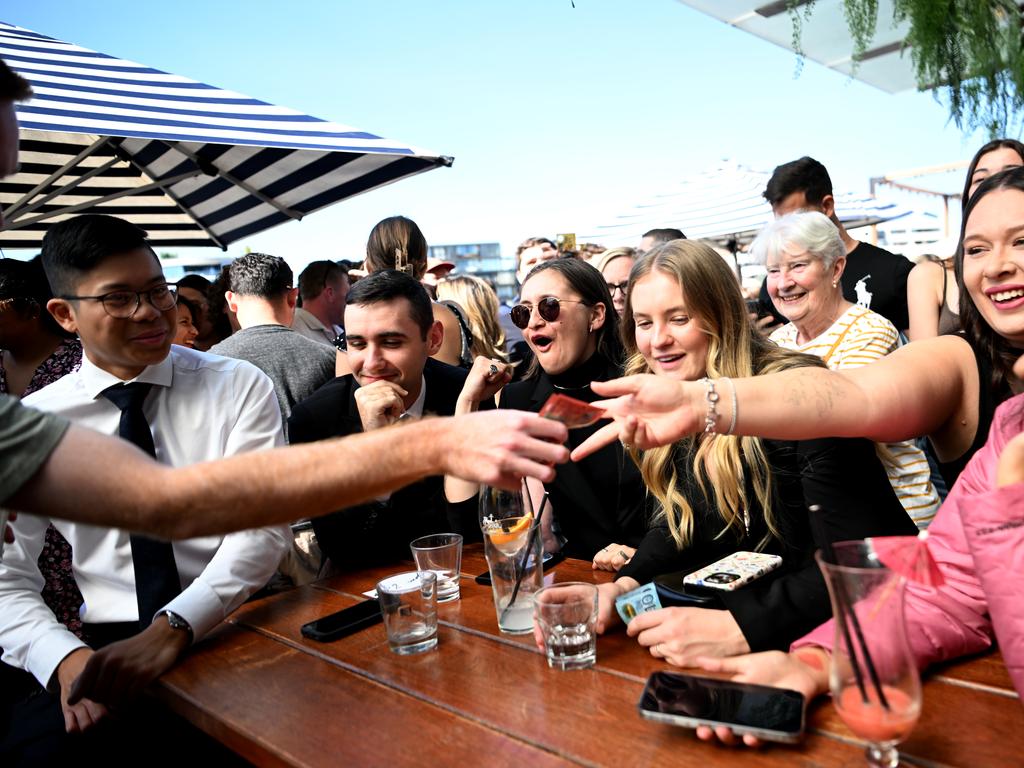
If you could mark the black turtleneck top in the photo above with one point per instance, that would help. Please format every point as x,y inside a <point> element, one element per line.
<point>599,500</point>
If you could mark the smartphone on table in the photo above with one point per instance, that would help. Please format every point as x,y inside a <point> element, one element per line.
<point>732,572</point>
<point>344,622</point>
<point>770,714</point>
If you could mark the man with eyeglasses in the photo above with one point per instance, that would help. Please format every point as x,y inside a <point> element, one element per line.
<point>179,405</point>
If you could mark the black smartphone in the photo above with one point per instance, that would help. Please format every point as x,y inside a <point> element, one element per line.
<point>771,714</point>
<point>344,622</point>
<point>672,593</point>
<point>550,559</point>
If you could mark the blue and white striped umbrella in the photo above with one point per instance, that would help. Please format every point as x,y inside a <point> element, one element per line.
<point>723,204</point>
<point>191,164</point>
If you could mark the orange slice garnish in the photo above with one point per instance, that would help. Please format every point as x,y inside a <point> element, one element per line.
<point>500,536</point>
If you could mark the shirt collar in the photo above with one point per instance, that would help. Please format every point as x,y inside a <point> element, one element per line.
<point>95,379</point>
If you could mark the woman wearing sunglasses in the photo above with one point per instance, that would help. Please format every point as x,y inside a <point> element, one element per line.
<point>717,493</point>
<point>568,321</point>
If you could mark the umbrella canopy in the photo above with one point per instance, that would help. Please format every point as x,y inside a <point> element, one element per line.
<point>910,557</point>
<point>191,164</point>
<point>723,204</point>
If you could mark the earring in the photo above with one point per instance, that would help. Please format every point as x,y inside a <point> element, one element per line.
<point>835,283</point>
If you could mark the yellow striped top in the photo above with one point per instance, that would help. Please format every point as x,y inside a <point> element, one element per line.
<point>859,337</point>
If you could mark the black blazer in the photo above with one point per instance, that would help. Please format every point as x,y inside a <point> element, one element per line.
<point>597,501</point>
<point>380,531</point>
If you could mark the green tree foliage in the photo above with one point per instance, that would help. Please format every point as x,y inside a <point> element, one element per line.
<point>969,51</point>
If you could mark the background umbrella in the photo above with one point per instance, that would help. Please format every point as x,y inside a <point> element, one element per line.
<point>192,164</point>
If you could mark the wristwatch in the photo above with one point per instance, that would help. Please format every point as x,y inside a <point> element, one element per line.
<point>177,622</point>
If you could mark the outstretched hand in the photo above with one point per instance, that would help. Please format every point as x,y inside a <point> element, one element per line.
<point>647,411</point>
<point>500,448</point>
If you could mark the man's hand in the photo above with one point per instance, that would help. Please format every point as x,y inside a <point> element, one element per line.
<point>380,404</point>
<point>80,713</point>
<point>681,635</point>
<point>805,671</point>
<point>118,673</point>
<point>500,448</point>
<point>613,557</point>
<point>484,380</point>
<point>648,411</point>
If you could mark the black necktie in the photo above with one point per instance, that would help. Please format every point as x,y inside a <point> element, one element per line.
<point>156,574</point>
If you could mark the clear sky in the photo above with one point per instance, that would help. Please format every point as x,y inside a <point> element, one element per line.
<point>558,117</point>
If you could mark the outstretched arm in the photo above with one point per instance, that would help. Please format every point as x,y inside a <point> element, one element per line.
<point>925,388</point>
<point>115,484</point>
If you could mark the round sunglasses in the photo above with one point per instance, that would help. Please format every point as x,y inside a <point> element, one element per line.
<point>548,308</point>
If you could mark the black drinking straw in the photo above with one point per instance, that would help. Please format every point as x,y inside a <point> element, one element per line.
<point>521,570</point>
<point>846,609</point>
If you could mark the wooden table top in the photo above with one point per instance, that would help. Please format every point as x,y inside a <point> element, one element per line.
<point>483,698</point>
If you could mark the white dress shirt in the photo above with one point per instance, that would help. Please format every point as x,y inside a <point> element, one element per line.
<point>201,407</point>
<point>309,325</point>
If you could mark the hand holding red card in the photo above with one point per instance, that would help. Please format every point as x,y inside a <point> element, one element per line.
<point>571,412</point>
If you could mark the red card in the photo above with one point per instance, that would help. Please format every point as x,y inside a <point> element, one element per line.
<point>570,411</point>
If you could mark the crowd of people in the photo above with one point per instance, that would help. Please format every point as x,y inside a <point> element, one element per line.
<point>727,417</point>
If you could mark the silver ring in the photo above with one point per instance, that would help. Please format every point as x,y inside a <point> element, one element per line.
<point>623,555</point>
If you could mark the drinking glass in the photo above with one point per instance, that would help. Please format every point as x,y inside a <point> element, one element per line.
<point>512,545</point>
<point>875,684</point>
<point>442,554</point>
<point>409,604</point>
<point>567,616</point>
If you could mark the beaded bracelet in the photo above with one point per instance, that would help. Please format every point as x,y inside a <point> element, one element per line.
<point>711,418</point>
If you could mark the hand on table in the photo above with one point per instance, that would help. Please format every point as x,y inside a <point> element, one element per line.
<point>500,448</point>
<point>647,411</point>
<point>681,635</point>
<point>380,404</point>
<point>80,713</point>
<point>119,672</point>
<point>806,672</point>
<point>613,557</point>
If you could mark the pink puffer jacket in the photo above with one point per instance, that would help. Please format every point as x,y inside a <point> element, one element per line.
<point>977,539</point>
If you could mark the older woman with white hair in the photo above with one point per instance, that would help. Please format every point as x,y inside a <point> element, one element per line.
<point>805,257</point>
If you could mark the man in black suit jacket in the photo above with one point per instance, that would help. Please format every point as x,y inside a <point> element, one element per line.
<point>391,333</point>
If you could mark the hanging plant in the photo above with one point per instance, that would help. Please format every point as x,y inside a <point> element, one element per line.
<point>969,51</point>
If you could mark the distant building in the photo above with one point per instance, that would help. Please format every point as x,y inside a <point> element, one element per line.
<point>482,260</point>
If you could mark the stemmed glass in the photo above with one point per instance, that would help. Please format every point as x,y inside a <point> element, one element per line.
<point>875,685</point>
<point>513,550</point>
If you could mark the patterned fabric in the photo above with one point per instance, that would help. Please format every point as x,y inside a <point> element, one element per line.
<point>60,590</point>
<point>859,337</point>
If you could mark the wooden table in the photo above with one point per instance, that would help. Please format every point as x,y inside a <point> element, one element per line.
<point>482,698</point>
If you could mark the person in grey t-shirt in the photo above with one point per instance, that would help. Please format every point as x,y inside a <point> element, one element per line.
<point>263,299</point>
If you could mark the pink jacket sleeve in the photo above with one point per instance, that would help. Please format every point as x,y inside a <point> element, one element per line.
<point>953,620</point>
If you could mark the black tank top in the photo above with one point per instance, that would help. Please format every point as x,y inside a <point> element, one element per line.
<point>988,401</point>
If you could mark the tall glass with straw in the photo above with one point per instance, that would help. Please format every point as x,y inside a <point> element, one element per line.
<point>875,685</point>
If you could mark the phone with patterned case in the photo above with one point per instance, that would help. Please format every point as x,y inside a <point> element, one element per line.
<point>732,572</point>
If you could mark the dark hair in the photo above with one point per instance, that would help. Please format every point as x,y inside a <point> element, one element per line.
<point>665,235</point>
<point>315,277</point>
<point>75,246</point>
<point>993,145</point>
<point>979,333</point>
<point>25,283</point>
<point>532,241</point>
<point>196,283</point>
<point>390,284</point>
<point>13,87</point>
<point>218,304</point>
<point>592,288</point>
<point>397,243</point>
<point>805,175</point>
<point>260,274</point>
<point>192,307</point>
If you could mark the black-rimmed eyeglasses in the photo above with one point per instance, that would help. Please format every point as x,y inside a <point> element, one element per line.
<point>124,304</point>
<point>548,308</point>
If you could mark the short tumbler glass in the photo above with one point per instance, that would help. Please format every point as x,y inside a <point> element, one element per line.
<point>567,616</point>
<point>409,604</point>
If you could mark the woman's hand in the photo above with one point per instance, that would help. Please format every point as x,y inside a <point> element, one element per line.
<point>681,635</point>
<point>648,411</point>
<point>805,671</point>
<point>606,594</point>
<point>613,557</point>
<point>484,380</point>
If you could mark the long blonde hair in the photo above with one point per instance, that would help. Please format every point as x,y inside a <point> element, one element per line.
<point>713,300</point>
<point>480,303</point>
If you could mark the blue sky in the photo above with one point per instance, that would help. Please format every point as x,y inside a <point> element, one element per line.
<point>558,117</point>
